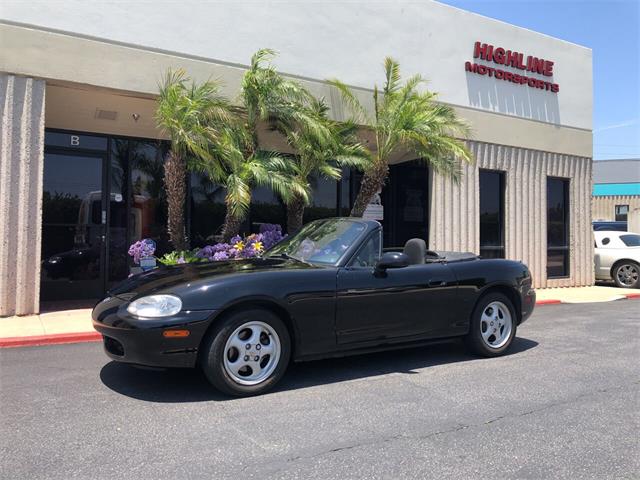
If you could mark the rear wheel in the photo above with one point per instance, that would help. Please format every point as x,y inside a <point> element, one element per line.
<point>493,325</point>
<point>627,274</point>
<point>248,353</point>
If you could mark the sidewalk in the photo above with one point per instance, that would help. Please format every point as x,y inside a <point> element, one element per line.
<point>73,326</point>
<point>583,294</point>
<point>65,326</point>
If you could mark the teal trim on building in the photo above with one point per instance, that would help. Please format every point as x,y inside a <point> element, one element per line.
<point>602,189</point>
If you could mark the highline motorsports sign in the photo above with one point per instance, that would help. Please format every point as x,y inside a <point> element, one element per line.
<point>513,60</point>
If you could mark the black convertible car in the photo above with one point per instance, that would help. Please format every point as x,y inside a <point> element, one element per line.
<point>328,290</point>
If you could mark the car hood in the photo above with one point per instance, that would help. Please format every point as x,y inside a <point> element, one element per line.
<point>168,277</point>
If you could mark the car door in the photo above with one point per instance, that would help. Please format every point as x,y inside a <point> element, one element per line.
<point>414,301</point>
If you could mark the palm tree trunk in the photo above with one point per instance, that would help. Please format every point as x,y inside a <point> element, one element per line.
<point>231,226</point>
<point>295,214</point>
<point>175,173</point>
<point>372,182</point>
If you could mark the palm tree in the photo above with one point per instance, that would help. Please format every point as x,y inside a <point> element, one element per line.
<point>405,118</point>
<point>241,171</point>
<point>191,116</point>
<point>322,147</point>
<point>266,97</point>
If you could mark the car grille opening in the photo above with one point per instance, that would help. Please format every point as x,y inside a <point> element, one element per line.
<point>113,346</point>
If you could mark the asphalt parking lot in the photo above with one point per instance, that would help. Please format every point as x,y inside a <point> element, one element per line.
<point>564,403</point>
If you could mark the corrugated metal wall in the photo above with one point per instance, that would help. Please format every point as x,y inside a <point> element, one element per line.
<point>454,220</point>
<point>21,164</point>
<point>604,206</point>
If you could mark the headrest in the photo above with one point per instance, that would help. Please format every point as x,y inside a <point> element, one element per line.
<point>415,249</point>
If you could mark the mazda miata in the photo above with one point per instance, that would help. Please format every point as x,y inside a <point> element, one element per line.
<point>328,290</point>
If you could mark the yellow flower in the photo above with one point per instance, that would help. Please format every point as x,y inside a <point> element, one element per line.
<point>239,246</point>
<point>257,246</point>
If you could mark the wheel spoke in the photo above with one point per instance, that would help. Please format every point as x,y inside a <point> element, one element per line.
<point>236,366</point>
<point>238,344</point>
<point>256,331</point>
<point>266,349</point>
<point>487,333</point>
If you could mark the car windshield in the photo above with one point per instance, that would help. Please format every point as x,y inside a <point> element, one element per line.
<point>323,241</point>
<point>631,240</point>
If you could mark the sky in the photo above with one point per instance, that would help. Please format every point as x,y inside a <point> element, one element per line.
<point>610,29</point>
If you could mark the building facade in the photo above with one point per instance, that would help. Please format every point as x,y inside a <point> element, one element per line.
<point>81,167</point>
<point>616,192</point>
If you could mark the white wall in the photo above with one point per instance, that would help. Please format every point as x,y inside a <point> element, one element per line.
<point>345,39</point>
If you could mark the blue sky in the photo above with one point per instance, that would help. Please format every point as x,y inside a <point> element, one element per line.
<point>610,29</point>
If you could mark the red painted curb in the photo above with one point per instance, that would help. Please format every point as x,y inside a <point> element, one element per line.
<point>631,296</point>
<point>55,339</point>
<point>548,302</point>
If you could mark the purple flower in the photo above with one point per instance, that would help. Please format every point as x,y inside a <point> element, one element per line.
<point>248,247</point>
<point>220,256</point>
<point>141,249</point>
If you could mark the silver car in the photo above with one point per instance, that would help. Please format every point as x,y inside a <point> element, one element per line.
<point>617,258</point>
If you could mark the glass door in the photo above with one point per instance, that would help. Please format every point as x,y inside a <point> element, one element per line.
<point>73,221</point>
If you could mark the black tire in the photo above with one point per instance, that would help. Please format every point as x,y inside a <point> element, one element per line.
<point>212,353</point>
<point>474,340</point>
<point>626,274</point>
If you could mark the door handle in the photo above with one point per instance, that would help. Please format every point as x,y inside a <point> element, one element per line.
<point>436,283</point>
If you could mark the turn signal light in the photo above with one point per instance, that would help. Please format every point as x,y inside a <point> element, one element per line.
<point>175,333</point>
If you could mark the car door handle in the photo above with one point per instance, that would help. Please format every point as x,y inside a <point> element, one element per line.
<point>436,283</point>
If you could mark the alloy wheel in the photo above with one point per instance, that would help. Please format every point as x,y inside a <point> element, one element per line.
<point>251,353</point>
<point>496,324</point>
<point>627,274</point>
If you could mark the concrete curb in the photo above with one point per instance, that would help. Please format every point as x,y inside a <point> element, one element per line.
<point>54,339</point>
<point>548,302</point>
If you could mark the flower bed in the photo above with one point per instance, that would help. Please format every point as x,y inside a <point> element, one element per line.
<point>238,247</point>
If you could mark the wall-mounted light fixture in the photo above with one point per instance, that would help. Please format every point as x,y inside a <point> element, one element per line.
<point>135,116</point>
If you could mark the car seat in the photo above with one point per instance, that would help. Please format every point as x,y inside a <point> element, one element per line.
<point>415,249</point>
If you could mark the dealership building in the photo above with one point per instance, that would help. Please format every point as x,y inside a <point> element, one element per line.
<point>81,156</point>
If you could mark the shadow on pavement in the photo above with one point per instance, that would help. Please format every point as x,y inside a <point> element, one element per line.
<point>190,385</point>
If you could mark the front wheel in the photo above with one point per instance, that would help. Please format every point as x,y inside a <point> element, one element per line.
<point>627,275</point>
<point>248,353</point>
<point>493,325</point>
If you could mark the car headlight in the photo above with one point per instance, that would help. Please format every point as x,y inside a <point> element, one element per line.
<point>155,306</point>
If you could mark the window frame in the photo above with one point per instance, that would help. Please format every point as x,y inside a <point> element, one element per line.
<point>350,264</point>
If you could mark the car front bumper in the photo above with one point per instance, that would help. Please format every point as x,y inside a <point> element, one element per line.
<point>144,342</point>
<point>528,302</point>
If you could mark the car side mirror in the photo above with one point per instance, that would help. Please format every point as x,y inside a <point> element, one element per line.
<point>391,260</point>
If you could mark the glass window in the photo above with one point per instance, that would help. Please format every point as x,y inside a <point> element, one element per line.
<point>324,201</point>
<point>266,207</point>
<point>207,210</point>
<point>369,254</point>
<point>631,240</point>
<point>621,213</point>
<point>344,193</point>
<point>557,227</point>
<point>148,214</point>
<point>492,214</point>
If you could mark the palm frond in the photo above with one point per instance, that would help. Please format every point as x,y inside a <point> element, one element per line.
<point>356,109</point>
<point>392,76</point>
